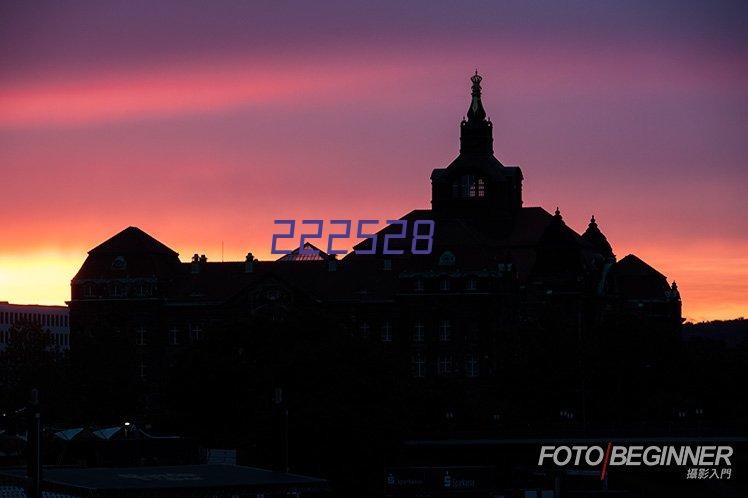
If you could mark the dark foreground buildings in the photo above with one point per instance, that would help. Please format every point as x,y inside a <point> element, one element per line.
<point>509,324</point>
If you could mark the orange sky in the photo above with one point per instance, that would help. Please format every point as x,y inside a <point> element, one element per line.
<point>200,130</point>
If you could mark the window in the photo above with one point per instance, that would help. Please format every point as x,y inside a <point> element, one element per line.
<point>445,330</point>
<point>444,284</point>
<point>472,368</point>
<point>418,332</point>
<point>173,336</point>
<point>364,329</point>
<point>419,366</point>
<point>387,264</point>
<point>444,365</point>
<point>471,284</point>
<point>195,332</point>
<point>386,332</point>
<point>88,290</point>
<point>469,187</point>
<point>447,258</point>
<point>140,336</point>
<point>141,370</point>
<point>143,290</point>
<point>418,285</point>
<point>118,290</point>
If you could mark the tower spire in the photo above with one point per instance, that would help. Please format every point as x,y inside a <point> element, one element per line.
<point>476,111</point>
<point>476,136</point>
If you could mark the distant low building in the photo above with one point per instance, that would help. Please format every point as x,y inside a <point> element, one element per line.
<point>179,480</point>
<point>53,319</point>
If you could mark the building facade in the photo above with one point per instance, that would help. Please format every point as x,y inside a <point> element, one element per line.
<point>501,280</point>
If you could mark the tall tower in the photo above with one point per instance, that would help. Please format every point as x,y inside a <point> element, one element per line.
<point>476,184</point>
<point>476,136</point>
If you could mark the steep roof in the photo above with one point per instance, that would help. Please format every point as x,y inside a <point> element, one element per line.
<point>132,240</point>
<point>632,266</point>
<point>632,278</point>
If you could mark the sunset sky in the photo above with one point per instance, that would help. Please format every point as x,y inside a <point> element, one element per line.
<point>202,122</point>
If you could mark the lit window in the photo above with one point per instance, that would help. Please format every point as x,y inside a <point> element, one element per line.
<point>481,187</point>
<point>469,187</point>
<point>445,330</point>
<point>386,332</point>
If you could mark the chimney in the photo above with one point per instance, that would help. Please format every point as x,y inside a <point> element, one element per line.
<point>195,266</point>
<point>249,263</point>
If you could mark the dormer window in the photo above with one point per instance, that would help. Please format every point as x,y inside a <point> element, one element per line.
<point>469,187</point>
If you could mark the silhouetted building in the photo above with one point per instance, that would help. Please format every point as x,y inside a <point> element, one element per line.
<point>500,280</point>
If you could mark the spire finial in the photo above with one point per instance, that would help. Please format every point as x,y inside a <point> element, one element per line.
<point>476,111</point>
<point>558,212</point>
